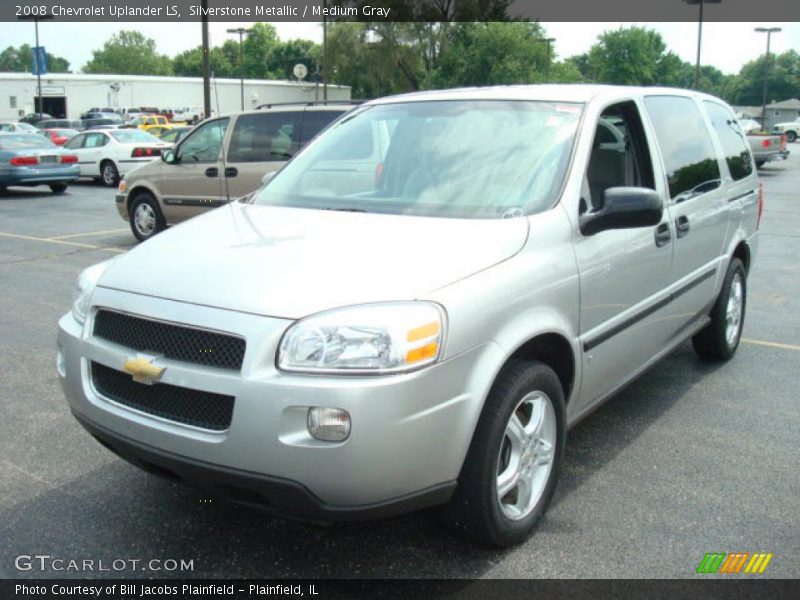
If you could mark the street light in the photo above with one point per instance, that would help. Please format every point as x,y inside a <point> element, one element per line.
<point>699,35</point>
<point>36,19</point>
<point>241,31</point>
<point>547,41</point>
<point>769,31</point>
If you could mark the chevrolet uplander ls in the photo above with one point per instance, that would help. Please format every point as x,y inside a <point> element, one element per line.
<point>414,310</point>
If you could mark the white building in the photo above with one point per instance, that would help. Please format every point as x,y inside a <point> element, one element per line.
<point>71,94</point>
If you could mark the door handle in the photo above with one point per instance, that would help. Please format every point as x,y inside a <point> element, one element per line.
<point>682,226</point>
<point>231,171</point>
<point>663,235</point>
<point>212,172</point>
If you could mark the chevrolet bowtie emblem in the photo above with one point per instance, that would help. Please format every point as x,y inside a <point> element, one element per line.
<point>143,369</point>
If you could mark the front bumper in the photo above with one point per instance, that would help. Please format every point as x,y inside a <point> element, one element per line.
<point>410,432</point>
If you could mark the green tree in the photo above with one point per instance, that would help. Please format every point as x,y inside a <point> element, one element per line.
<point>131,53</point>
<point>20,60</point>
<point>190,63</point>
<point>492,53</point>
<point>747,88</point>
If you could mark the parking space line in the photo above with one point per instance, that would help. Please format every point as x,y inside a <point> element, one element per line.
<point>62,242</point>
<point>74,235</point>
<point>771,344</point>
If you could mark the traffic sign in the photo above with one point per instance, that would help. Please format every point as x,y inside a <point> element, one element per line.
<point>39,63</point>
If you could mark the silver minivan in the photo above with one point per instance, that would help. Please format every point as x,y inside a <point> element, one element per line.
<point>375,333</point>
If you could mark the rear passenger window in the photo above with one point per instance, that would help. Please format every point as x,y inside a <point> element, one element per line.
<point>315,121</point>
<point>263,138</point>
<point>686,148</point>
<point>733,140</point>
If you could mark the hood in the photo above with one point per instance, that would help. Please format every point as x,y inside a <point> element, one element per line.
<point>289,262</point>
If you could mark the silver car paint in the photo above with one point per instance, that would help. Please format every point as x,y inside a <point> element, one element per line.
<point>502,283</point>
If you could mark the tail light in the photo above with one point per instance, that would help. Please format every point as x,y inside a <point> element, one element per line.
<point>24,161</point>
<point>59,140</point>
<point>766,143</point>
<point>783,143</point>
<point>145,152</point>
<point>760,204</point>
<point>69,158</point>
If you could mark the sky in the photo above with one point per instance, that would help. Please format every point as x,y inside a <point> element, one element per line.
<point>726,46</point>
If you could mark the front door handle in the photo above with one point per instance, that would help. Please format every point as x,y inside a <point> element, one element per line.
<point>231,171</point>
<point>682,226</point>
<point>663,235</point>
<point>212,172</point>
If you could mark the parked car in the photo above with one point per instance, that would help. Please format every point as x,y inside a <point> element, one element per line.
<point>31,160</point>
<point>749,125</point>
<point>59,124</point>
<point>59,136</point>
<point>107,155</point>
<point>19,127</point>
<point>173,135</point>
<point>33,118</point>
<point>767,148</point>
<point>108,120</point>
<point>128,113</point>
<point>188,114</point>
<point>218,160</point>
<point>372,335</point>
<point>790,129</point>
<point>96,109</point>
<point>148,122</point>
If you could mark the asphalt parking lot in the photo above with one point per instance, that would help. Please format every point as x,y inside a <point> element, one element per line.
<point>692,458</point>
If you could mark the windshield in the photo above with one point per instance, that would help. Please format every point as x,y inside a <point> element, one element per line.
<point>464,159</point>
<point>129,136</point>
<point>24,141</point>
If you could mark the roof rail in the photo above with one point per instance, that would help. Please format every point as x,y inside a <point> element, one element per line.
<point>310,103</point>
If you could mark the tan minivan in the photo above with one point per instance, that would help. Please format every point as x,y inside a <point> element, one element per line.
<point>221,159</point>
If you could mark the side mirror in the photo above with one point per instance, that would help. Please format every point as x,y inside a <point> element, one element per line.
<point>268,177</point>
<point>169,156</point>
<point>624,208</point>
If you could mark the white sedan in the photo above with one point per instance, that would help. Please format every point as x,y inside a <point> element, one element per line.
<point>109,154</point>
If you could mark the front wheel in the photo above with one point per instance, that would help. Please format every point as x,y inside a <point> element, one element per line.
<point>145,217</point>
<point>791,136</point>
<point>720,338</point>
<point>512,466</point>
<point>109,174</point>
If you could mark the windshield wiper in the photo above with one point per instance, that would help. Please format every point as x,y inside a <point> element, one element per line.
<point>345,209</point>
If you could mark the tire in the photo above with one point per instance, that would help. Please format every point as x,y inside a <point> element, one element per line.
<point>145,217</point>
<point>791,136</point>
<point>58,188</point>
<point>720,338</point>
<point>760,163</point>
<point>109,175</point>
<point>525,391</point>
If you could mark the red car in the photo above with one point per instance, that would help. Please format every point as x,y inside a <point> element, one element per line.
<point>58,136</point>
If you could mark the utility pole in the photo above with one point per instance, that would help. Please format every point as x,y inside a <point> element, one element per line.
<point>548,41</point>
<point>699,35</point>
<point>206,70</point>
<point>324,50</point>
<point>241,31</point>
<point>36,57</point>
<point>769,31</point>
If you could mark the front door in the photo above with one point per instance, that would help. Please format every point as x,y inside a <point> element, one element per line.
<point>623,272</point>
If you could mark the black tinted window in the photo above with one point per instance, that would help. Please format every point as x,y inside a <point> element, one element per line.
<point>686,148</point>
<point>315,121</point>
<point>733,140</point>
<point>267,137</point>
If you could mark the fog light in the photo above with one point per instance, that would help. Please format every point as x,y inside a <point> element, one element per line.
<point>328,424</point>
<point>61,363</point>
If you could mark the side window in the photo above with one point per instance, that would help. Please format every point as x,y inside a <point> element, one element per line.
<point>733,140</point>
<point>75,142</point>
<point>315,121</point>
<point>95,140</point>
<point>686,148</point>
<point>6,127</point>
<point>266,137</point>
<point>620,156</point>
<point>204,142</point>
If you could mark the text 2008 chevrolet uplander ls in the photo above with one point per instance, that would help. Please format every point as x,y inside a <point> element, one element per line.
<point>365,338</point>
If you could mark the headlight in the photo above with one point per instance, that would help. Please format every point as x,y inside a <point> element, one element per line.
<point>372,338</point>
<point>82,296</point>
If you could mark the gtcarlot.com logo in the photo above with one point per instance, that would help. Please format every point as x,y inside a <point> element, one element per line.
<point>47,562</point>
<point>734,562</point>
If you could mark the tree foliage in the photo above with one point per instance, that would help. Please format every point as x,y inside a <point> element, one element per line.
<point>129,52</point>
<point>784,80</point>
<point>20,60</point>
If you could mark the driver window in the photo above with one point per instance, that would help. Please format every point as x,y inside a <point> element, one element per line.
<point>619,155</point>
<point>204,143</point>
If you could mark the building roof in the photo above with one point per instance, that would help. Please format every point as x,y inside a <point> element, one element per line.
<point>793,103</point>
